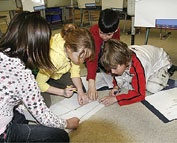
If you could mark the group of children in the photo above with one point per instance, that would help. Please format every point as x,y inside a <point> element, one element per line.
<point>28,44</point>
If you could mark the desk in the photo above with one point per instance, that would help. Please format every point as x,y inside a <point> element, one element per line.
<point>166,24</point>
<point>10,6</point>
<point>72,7</point>
<point>89,9</point>
<point>82,12</point>
<point>162,24</point>
<point>53,14</point>
<point>147,11</point>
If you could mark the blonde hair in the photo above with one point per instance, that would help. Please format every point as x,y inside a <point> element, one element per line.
<point>77,38</point>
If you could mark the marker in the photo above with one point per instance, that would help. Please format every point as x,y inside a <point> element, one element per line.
<point>116,92</point>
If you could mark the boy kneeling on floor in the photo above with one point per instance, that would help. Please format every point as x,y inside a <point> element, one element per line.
<point>136,69</point>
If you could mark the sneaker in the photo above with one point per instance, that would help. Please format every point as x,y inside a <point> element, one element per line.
<point>172,69</point>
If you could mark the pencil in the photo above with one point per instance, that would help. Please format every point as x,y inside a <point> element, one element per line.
<point>74,90</point>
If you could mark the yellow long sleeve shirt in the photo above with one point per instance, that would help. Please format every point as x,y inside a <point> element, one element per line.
<point>60,61</point>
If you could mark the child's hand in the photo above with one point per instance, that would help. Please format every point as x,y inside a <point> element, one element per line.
<point>108,100</point>
<point>72,123</point>
<point>92,92</point>
<point>83,98</point>
<point>68,91</point>
<point>114,92</point>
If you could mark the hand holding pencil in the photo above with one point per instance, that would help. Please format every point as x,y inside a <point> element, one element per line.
<point>69,90</point>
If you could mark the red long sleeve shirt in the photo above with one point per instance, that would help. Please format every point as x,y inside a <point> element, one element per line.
<point>138,84</point>
<point>92,66</point>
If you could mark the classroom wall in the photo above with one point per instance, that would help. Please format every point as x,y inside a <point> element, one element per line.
<point>28,5</point>
<point>57,3</point>
<point>7,5</point>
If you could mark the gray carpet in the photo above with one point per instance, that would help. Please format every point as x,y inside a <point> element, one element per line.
<point>132,123</point>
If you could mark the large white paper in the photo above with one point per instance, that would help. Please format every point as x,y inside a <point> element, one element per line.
<point>102,80</point>
<point>165,102</point>
<point>69,107</point>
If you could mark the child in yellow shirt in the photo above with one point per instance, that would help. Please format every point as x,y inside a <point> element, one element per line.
<point>68,50</point>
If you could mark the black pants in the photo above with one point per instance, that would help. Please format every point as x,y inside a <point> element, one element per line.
<point>19,131</point>
<point>62,82</point>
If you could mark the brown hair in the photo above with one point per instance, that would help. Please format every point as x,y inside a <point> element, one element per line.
<point>28,38</point>
<point>115,52</point>
<point>77,38</point>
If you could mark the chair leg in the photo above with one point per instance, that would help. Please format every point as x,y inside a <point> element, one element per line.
<point>0,33</point>
<point>165,36</point>
<point>89,17</point>
<point>4,18</point>
<point>125,15</point>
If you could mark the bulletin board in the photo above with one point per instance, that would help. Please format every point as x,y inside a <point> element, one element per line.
<point>147,11</point>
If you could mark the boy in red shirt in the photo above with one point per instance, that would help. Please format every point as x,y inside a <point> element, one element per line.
<point>106,29</point>
<point>135,69</point>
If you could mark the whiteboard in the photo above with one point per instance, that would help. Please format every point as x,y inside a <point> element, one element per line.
<point>147,11</point>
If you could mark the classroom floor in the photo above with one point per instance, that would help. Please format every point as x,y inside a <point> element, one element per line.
<point>133,123</point>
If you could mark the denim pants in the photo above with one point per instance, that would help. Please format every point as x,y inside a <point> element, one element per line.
<point>18,131</point>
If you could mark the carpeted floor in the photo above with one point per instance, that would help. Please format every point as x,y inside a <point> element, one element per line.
<point>133,123</point>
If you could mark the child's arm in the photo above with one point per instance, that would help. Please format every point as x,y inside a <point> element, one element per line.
<point>138,83</point>
<point>115,91</point>
<point>82,97</point>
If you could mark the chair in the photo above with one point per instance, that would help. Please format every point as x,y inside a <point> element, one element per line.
<point>165,24</point>
<point>91,7</point>
<point>117,5</point>
<point>53,13</point>
<point>40,9</point>
<point>4,18</point>
<point>86,6</point>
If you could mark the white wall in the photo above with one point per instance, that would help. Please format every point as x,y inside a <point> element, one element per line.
<point>81,3</point>
<point>57,3</point>
<point>28,5</point>
<point>147,11</point>
<point>7,5</point>
<point>120,4</point>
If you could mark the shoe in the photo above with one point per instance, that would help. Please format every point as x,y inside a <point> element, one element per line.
<point>172,69</point>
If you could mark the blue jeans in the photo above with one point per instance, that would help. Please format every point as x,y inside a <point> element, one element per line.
<point>19,131</point>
